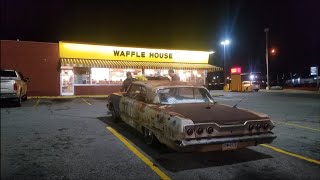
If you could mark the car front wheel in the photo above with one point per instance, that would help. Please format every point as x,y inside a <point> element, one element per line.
<point>149,137</point>
<point>115,118</point>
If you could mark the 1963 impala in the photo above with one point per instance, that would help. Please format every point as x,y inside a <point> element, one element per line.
<point>185,117</point>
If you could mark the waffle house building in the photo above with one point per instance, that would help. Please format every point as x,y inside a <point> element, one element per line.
<point>68,68</point>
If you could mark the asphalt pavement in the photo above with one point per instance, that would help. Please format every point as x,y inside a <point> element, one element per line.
<point>69,139</point>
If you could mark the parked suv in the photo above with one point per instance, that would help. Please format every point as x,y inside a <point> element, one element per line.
<point>13,86</point>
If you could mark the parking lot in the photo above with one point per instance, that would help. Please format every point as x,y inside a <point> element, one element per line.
<point>76,139</point>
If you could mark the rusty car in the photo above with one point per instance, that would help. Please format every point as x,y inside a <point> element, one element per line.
<point>185,117</point>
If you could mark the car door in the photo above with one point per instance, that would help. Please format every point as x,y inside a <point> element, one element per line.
<point>128,111</point>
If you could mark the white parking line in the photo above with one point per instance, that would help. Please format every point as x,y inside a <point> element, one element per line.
<point>37,103</point>
<point>86,102</point>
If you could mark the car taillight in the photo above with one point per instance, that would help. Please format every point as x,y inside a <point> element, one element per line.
<point>189,131</point>
<point>210,130</point>
<point>200,130</point>
<point>258,126</point>
<point>15,87</point>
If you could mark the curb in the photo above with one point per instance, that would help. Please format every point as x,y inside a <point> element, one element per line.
<point>290,91</point>
<point>216,95</point>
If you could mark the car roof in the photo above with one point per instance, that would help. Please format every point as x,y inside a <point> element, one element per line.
<point>165,83</point>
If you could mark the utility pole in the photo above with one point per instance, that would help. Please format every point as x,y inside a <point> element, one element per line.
<point>266,30</point>
<point>318,80</point>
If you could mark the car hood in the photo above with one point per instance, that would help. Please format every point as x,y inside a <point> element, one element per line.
<point>212,113</point>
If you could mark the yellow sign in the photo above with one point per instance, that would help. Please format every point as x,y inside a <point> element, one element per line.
<point>88,51</point>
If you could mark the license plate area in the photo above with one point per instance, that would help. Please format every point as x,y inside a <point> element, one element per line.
<point>229,146</point>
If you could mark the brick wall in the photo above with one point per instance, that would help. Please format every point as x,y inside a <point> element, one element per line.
<point>36,60</point>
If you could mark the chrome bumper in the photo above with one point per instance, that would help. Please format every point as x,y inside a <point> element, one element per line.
<point>257,139</point>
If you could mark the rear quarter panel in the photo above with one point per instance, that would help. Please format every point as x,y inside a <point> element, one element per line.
<point>114,100</point>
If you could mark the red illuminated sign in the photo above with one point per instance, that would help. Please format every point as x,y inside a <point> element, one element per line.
<point>236,70</point>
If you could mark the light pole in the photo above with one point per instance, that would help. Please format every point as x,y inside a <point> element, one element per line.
<point>267,61</point>
<point>224,44</point>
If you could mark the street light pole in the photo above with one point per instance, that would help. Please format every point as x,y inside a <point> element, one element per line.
<point>225,43</point>
<point>267,61</point>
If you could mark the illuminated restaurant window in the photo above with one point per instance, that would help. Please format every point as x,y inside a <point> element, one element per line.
<point>156,72</point>
<point>81,75</point>
<point>117,76</point>
<point>195,76</point>
<point>100,75</point>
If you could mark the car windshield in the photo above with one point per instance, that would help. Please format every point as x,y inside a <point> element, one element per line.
<point>183,95</point>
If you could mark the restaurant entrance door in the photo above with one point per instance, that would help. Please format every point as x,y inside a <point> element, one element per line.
<point>67,82</point>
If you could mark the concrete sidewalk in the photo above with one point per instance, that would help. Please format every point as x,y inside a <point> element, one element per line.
<point>290,91</point>
<point>293,91</point>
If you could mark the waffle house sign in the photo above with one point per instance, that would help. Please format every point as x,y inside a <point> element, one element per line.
<point>90,51</point>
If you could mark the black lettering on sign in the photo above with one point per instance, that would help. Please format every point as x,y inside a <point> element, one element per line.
<point>116,53</point>
<point>142,54</point>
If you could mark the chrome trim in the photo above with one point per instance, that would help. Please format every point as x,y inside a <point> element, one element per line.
<point>262,138</point>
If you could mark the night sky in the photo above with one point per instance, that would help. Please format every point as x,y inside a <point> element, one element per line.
<point>193,25</point>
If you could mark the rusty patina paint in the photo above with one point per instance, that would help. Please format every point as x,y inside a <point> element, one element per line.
<point>169,122</point>
<point>220,114</point>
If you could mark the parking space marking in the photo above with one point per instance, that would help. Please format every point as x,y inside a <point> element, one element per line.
<point>86,102</point>
<point>36,103</point>
<point>298,126</point>
<point>139,154</point>
<point>291,154</point>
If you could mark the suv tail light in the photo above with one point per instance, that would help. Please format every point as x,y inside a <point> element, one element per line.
<point>15,87</point>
